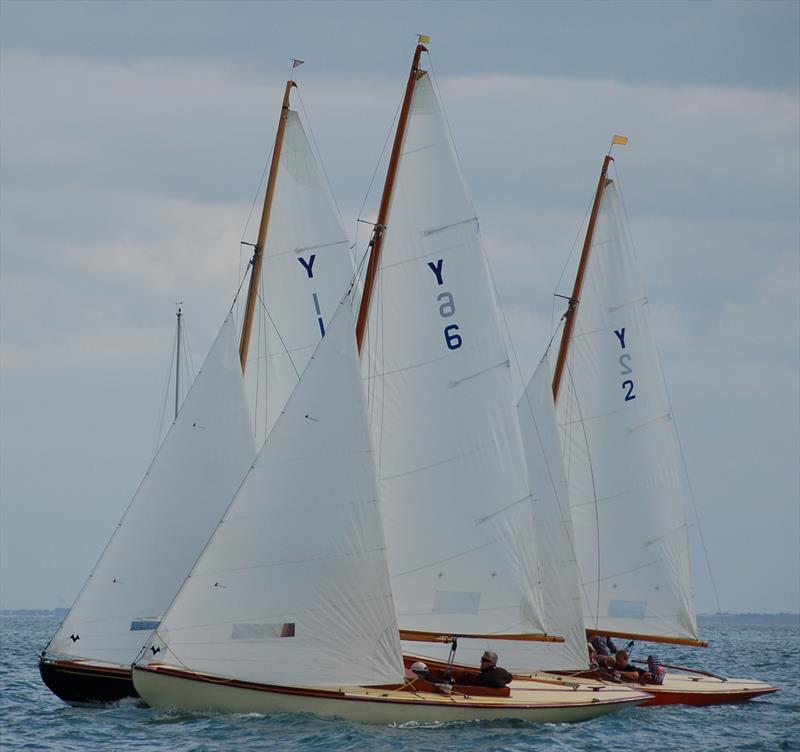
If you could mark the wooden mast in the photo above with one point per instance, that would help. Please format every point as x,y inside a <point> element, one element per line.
<point>569,323</point>
<point>376,241</point>
<point>258,253</point>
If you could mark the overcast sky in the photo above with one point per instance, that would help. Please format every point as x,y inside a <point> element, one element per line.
<point>133,137</point>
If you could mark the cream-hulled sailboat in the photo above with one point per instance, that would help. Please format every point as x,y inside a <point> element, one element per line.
<point>297,604</point>
<point>201,462</point>
<point>626,481</point>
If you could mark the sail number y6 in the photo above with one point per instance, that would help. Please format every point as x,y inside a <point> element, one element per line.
<point>447,307</point>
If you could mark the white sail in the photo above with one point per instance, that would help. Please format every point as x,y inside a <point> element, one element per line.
<point>180,500</point>
<point>293,587</point>
<point>558,567</point>
<point>626,483</point>
<point>454,487</point>
<point>306,270</point>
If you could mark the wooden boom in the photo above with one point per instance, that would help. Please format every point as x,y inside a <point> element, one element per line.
<point>418,636</point>
<point>647,638</point>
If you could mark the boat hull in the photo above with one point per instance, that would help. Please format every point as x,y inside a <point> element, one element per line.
<point>166,688</point>
<point>691,689</point>
<point>81,683</point>
<point>685,689</point>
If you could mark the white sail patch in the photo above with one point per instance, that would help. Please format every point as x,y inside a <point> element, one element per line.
<point>627,609</point>
<point>451,602</point>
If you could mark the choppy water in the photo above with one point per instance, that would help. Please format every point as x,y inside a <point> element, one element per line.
<point>31,718</point>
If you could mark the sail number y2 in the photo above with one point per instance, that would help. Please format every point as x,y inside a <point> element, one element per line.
<point>625,363</point>
<point>309,267</point>
<point>447,307</point>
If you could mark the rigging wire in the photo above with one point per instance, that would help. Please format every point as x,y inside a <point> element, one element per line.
<point>247,225</point>
<point>160,424</point>
<point>569,257</point>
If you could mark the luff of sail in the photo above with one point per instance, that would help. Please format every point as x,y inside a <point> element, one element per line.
<point>626,483</point>
<point>194,474</point>
<point>307,265</point>
<point>293,587</point>
<point>454,488</point>
<point>555,544</point>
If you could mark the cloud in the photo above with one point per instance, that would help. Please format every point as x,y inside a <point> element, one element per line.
<point>127,186</point>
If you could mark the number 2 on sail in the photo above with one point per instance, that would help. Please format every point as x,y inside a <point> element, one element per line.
<point>624,361</point>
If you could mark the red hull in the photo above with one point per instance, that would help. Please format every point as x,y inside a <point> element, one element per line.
<point>667,697</point>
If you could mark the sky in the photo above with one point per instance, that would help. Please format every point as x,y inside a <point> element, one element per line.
<point>133,136</point>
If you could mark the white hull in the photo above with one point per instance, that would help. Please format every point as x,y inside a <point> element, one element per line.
<point>530,701</point>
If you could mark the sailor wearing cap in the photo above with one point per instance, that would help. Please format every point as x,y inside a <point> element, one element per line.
<point>491,674</point>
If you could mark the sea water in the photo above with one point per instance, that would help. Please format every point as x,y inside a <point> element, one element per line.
<point>31,718</point>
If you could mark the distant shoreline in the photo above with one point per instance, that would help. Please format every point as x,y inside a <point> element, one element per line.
<point>780,619</point>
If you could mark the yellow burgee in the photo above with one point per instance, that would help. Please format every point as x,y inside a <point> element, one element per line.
<point>621,140</point>
<point>423,39</point>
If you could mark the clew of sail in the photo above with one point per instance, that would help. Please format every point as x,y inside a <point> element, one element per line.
<point>626,484</point>
<point>307,267</point>
<point>561,593</point>
<point>454,488</point>
<point>191,480</point>
<point>293,587</point>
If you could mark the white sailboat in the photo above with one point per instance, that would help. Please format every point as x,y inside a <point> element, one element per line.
<point>270,619</point>
<point>202,458</point>
<point>626,481</point>
<point>307,264</point>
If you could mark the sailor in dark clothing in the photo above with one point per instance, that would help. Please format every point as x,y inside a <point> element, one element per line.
<point>491,674</point>
<point>605,650</point>
<point>603,645</point>
<point>628,671</point>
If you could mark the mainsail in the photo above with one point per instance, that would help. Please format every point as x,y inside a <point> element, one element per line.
<point>307,267</point>
<point>454,487</point>
<point>191,480</point>
<point>293,587</point>
<point>558,567</point>
<point>626,482</point>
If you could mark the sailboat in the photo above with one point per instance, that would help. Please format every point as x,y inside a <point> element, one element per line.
<point>213,440</point>
<point>333,551</point>
<point>203,456</point>
<point>626,481</point>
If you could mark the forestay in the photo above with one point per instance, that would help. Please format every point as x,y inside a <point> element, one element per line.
<point>293,588</point>
<point>626,484</point>
<point>561,592</point>
<point>183,495</point>
<point>454,488</point>
<point>307,268</point>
